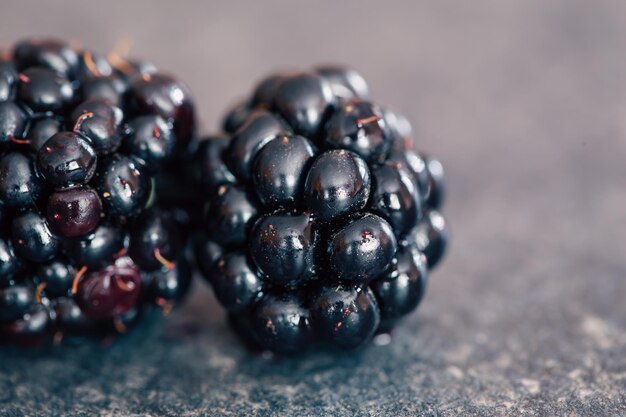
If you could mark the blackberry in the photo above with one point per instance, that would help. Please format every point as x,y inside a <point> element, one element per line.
<point>87,240</point>
<point>322,220</point>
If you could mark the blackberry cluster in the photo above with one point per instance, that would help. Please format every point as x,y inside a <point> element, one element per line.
<point>84,244</point>
<point>322,220</point>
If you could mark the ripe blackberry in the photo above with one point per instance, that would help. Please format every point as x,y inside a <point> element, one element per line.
<point>87,241</point>
<point>322,220</point>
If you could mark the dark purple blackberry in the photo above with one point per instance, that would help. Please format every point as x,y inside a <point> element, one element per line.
<point>322,220</point>
<point>13,122</point>
<point>8,80</point>
<point>86,239</point>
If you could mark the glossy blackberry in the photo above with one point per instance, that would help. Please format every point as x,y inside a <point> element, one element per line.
<point>321,219</point>
<point>304,101</point>
<point>229,215</point>
<point>338,184</point>
<point>344,315</point>
<point>362,250</point>
<point>66,159</point>
<point>279,181</point>
<point>258,130</point>
<point>100,122</point>
<point>285,247</point>
<point>44,90</point>
<point>51,54</point>
<point>20,185</point>
<point>235,282</point>
<point>10,264</point>
<point>400,291</point>
<point>33,239</point>
<point>42,128</point>
<point>346,83</point>
<point>123,185</point>
<point>162,95</point>
<point>280,322</point>
<point>87,240</point>
<point>75,211</point>
<point>360,127</point>
<point>110,292</point>
<point>8,80</point>
<point>13,123</point>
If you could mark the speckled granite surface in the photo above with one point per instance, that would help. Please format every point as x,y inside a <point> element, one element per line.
<point>526,106</point>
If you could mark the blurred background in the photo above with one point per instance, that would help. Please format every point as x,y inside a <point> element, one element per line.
<point>524,104</point>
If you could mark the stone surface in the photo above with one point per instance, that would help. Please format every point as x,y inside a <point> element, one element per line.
<point>525,105</point>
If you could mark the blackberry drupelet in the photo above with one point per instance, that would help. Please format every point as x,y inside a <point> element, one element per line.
<point>322,220</point>
<point>87,243</point>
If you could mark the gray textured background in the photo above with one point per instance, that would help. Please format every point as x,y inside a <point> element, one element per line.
<point>525,104</point>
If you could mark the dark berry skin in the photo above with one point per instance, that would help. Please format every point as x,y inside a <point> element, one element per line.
<point>362,250</point>
<point>212,171</point>
<point>19,184</point>
<point>395,197</point>
<point>32,238</point>
<point>110,89</point>
<point>58,276</point>
<point>150,139</point>
<point>75,211</point>
<point>100,122</point>
<point>284,248</point>
<point>265,90</point>
<point>235,283</point>
<point>92,65</point>
<point>236,117</point>
<point>13,122</point>
<point>359,126</point>
<point>98,248</point>
<point>230,214</point>
<point>70,318</point>
<point>304,101</point>
<point>41,129</point>
<point>8,80</point>
<point>337,184</point>
<point>436,184</point>
<point>44,90</point>
<point>431,236</point>
<point>9,263</point>
<point>123,186</point>
<point>158,94</point>
<point>415,165</point>
<point>400,292</point>
<point>128,70</point>
<point>162,95</point>
<point>280,323</point>
<point>111,291</point>
<point>400,129</point>
<point>346,83</point>
<point>280,170</point>
<point>345,316</point>
<point>207,254</point>
<point>170,284</point>
<point>67,158</point>
<point>30,330</point>
<point>258,130</point>
<point>48,53</point>
<point>15,301</point>
<point>154,235</point>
